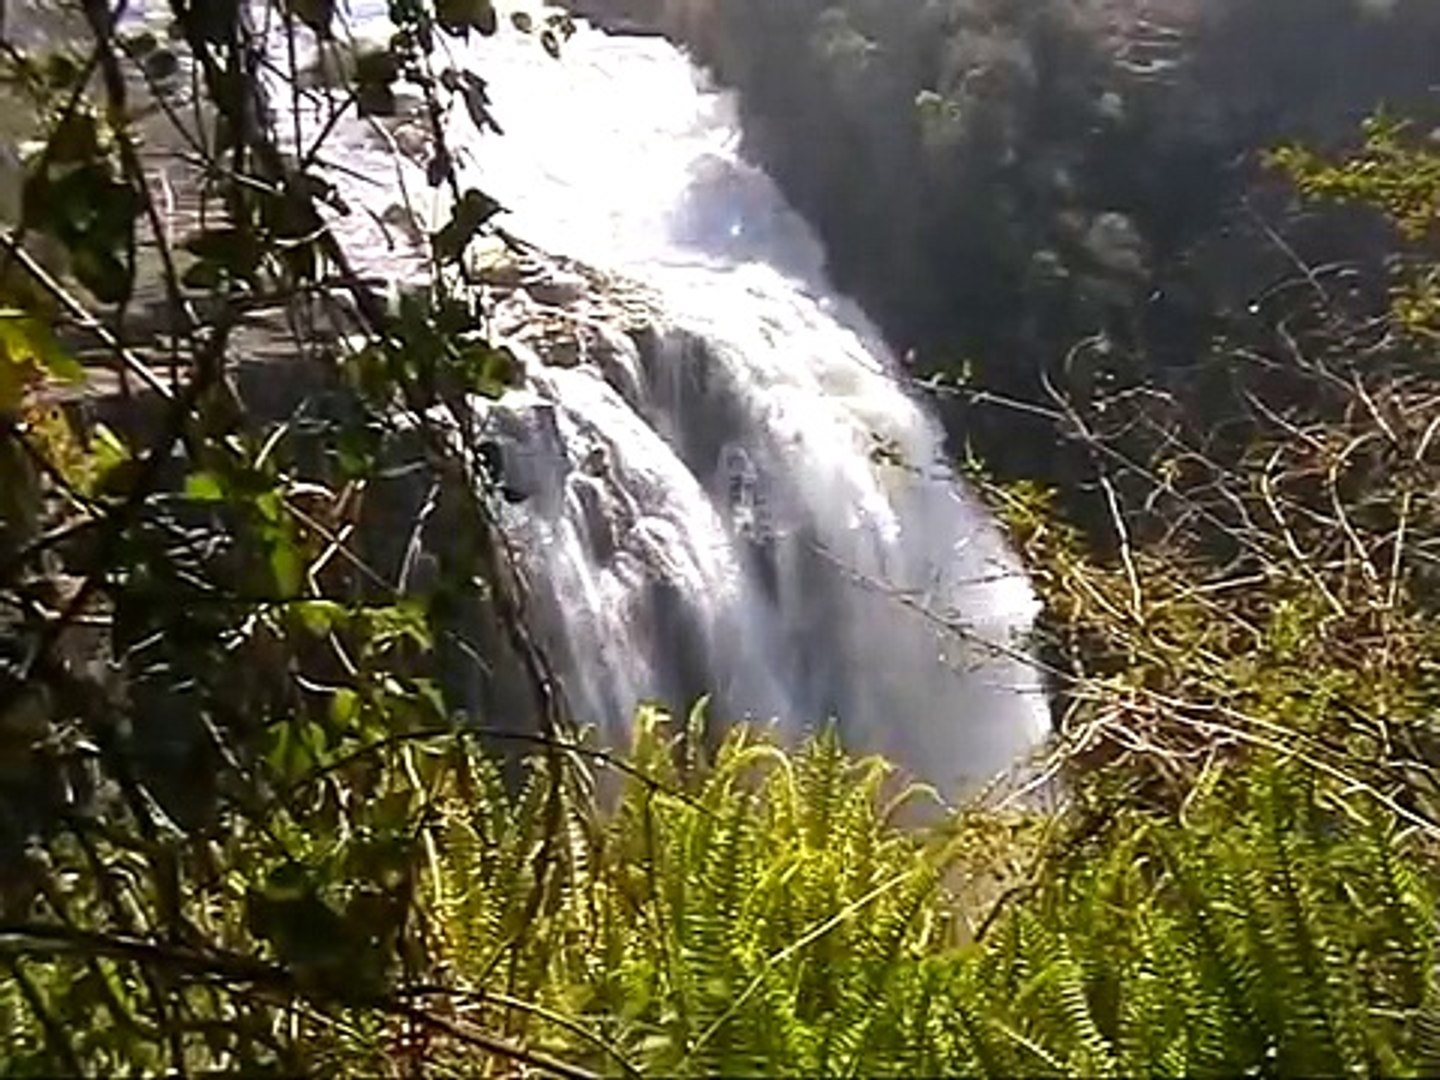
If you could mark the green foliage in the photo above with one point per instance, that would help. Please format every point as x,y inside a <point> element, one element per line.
<point>247,822</point>
<point>1393,173</point>
<point>1259,577</point>
<point>1397,175</point>
<point>759,915</point>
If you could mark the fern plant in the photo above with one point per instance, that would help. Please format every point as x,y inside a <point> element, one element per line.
<point>759,914</point>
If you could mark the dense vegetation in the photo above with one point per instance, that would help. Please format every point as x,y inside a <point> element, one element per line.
<point>252,819</point>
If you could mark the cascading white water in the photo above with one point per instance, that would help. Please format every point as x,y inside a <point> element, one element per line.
<point>753,507</point>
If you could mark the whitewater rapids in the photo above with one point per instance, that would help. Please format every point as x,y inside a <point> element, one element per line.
<point>750,504</point>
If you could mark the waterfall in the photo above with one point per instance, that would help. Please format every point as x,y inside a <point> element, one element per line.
<point>747,503</point>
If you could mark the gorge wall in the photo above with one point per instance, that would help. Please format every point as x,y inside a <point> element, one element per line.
<point>999,180</point>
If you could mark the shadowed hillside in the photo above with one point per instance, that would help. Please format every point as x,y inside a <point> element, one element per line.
<point>1000,180</point>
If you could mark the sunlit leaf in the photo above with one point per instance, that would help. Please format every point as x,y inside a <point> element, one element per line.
<point>344,708</point>
<point>287,566</point>
<point>319,617</point>
<point>204,487</point>
<point>27,340</point>
<point>107,450</point>
<point>28,353</point>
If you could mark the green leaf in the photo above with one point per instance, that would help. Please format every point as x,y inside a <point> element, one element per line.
<point>476,95</point>
<point>203,276</point>
<point>216,20</point>
<point>103,272</point>
<point>233,250</point>
<point>270,505</point>
<point>376,100</point>
<point>474,210</point>
<point>299,747</point>
<point>316,14</point>
<point>25,341</point>
<point>375,73</point>
<point>376,66</point>
<point>406,620</point>
<point>76,140</point>
<point>107,450</point>
<point>563,23</point>
<point>162,65</point>
<point>287,567</point>
<point>344,708</point>
<point>204,487</point>
<point>461,16</point>
<point>62,72</point>
<point>141,43</point>
<point>319,617</point>
<point>490,371</point>
<point>392,811</point>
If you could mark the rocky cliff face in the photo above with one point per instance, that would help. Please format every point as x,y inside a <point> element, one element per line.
<point>1001,179</point>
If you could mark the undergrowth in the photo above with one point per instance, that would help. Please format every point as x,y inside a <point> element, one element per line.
<point>764,915</point>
